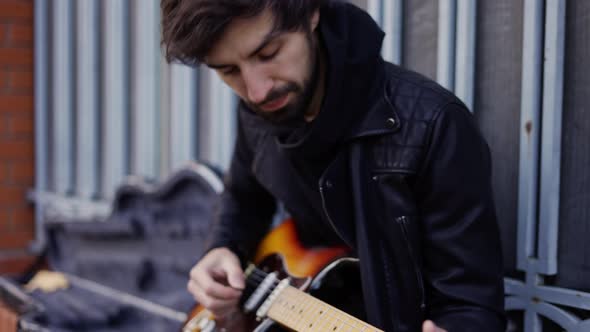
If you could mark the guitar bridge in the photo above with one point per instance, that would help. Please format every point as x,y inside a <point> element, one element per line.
<point>258,295</point>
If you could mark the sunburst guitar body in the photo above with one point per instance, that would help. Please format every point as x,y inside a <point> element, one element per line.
<point>293,288</point>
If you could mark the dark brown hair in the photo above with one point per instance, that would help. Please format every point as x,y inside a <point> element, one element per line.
<point>191,27</point>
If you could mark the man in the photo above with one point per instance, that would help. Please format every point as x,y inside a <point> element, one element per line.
<point>359,151</point>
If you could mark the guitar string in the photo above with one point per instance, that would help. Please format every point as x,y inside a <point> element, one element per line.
<point>261,275</point>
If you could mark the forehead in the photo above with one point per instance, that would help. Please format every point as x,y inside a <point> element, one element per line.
<point>241,37</point>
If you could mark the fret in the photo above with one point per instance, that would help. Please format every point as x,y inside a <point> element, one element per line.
<point>299,300</point>
<point>320,321</point>
<point>279,307</point>
<point>287,309</point>
<point>307,304</point>
<point>329,320</point>
<point>347,324</point>
<point>292,316</point>
<point>352,324</point>
<point>331,317</point>
<point>317,313</point>
<point>302,312</point>
<point>358,325</point>
<point>339,324</point>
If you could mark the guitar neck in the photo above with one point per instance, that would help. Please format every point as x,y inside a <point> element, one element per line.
<point>300,311</point>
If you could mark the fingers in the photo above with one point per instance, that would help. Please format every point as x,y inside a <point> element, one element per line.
<point>216,282</point>
<point>429,326</point>
<point>235,275</point>
<point>212,284</point>
<point>219,307</point>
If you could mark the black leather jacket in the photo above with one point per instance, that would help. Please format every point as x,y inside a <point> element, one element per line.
<point>409,191</point>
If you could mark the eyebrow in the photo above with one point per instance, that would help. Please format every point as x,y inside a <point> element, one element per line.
<point>265,41</point>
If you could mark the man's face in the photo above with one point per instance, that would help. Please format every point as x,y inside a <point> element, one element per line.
<point>272,71</point>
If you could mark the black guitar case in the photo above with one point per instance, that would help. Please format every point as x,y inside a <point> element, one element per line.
<point>129,272</point>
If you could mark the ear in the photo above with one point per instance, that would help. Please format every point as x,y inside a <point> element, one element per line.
<point>315,19</point>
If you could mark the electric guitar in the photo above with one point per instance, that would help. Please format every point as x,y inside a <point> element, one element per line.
<point>293,288</point>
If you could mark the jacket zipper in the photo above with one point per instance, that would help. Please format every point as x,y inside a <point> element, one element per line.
<point>324,207</point>
<point>402,221</point>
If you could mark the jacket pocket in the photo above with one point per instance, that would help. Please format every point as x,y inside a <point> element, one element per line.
<point>393,195</point>
<point>411,241</point>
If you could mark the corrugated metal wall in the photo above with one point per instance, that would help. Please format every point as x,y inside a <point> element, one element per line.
<point>497,101</point>
<point>574,227</point>
<point>526,86</point>
<point>107,105</point>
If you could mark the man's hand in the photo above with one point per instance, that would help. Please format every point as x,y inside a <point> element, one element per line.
<point>429,326</point>
<point>217,281</point>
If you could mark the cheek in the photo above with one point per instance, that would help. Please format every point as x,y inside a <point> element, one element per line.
<point>295,67</point>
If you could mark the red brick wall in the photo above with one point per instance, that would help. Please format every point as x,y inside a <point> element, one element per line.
<point>16,133</point>
<point>8,319</point>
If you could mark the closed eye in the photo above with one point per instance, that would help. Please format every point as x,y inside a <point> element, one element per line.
<point>268,56</point>
<point>230,70</point>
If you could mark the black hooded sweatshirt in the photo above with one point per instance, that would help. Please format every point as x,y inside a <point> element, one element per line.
<point>352,45</point>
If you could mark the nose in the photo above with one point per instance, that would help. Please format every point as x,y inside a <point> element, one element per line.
<point>257,84</point>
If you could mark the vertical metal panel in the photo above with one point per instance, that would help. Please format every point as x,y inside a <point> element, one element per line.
<point>183,108</point>
<point>419,36</point>
<point>497,101</point>
<point>41,12</point>
<point>532,321</point>
<point>393,27</point>
<point>465,53</point>
<point>206,130</point>
<point>574,212</point>
<point>62,84</point>
<point>115,97</point>
<point>374,8</point>
<point>551,136</point>
<point>164,118</point>
<point>359,3</point>
<point>530,123</point>
<point>146,88</point>
<point>445,69</point>
<point>223,121</point>
<point>87,102</point>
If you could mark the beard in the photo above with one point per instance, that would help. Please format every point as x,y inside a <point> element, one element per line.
<point>292,114</point>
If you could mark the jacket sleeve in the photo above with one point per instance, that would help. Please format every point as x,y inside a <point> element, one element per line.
<point>461,245</point>
<point>244,210</point>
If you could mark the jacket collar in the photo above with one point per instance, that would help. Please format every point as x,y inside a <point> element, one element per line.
<point>382,117</point>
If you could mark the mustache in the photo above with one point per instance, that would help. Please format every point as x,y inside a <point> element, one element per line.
<point>278,93</point>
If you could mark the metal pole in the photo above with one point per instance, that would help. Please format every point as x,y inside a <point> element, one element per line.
<point>445,69</point>
<point>551,136</point>
<point>465,52</point>
<point>41,98</point>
